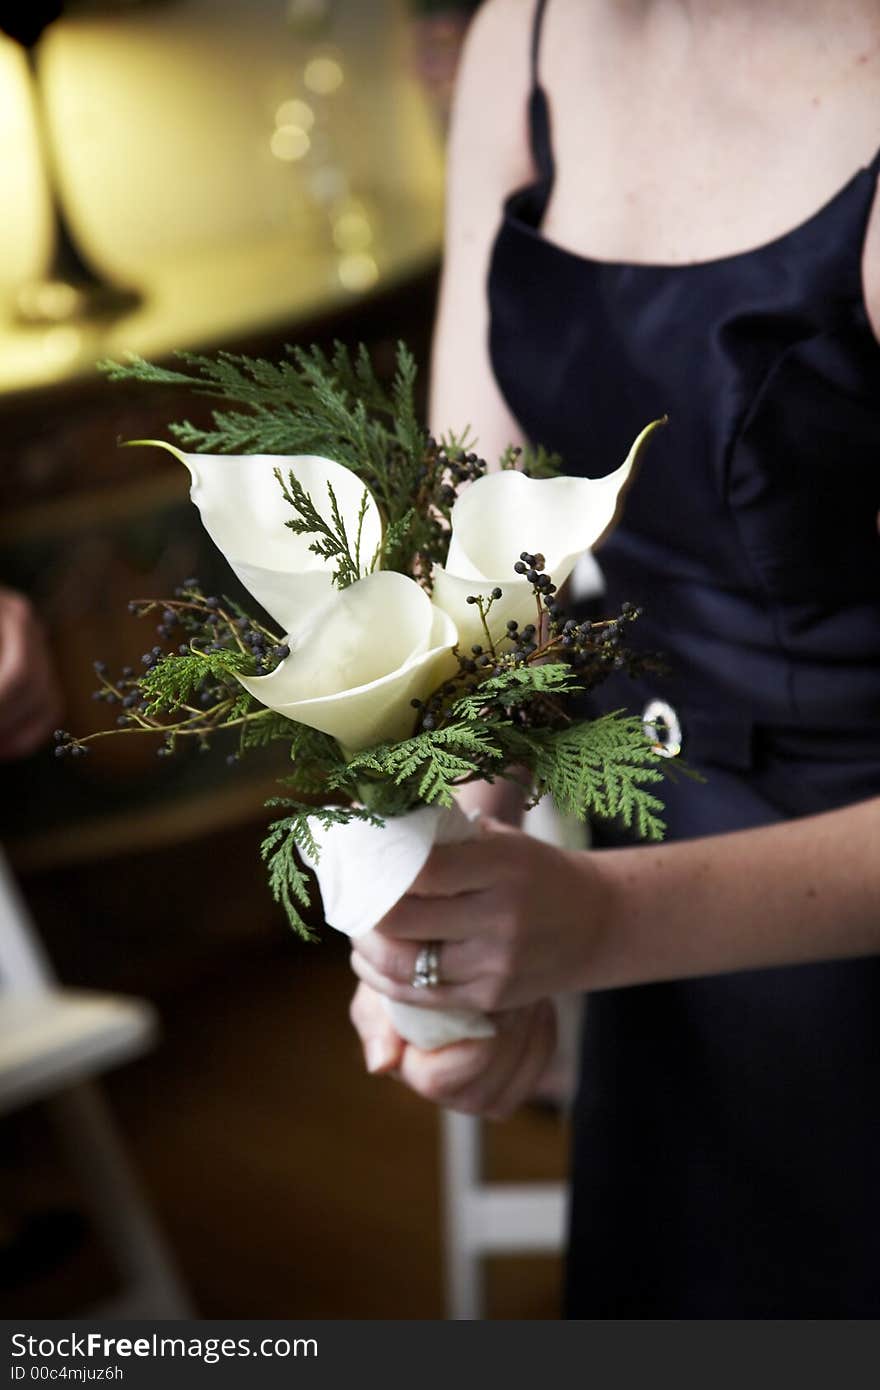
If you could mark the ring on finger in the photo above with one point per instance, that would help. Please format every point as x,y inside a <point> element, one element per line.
<point>426,972</point>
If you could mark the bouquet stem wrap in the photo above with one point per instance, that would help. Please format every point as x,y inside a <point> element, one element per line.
<point>363,870</point>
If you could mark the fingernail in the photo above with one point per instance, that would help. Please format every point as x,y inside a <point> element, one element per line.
<point>377,1054</point>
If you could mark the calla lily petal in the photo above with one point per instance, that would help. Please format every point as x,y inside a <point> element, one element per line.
<point>360,660</point>
<point>558,517</point>
<point>244,513</point>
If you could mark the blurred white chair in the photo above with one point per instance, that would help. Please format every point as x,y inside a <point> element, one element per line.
<point>52,1041</point>
<point>489,1218</point>
<point>494,1218</point>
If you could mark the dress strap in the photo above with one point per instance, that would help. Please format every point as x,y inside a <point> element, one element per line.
<point>539,111</point>
<point>537,22</point>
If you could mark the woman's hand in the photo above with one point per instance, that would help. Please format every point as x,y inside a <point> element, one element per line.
<point>30,702</point>
<point>519,920</point>
<point>516,919</point>
<point>489,1077</point>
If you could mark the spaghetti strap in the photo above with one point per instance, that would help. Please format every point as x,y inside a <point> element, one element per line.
<point>539,111</point>
<point>537,22</point>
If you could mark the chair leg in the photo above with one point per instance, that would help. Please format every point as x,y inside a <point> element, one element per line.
<point>152,1287</point>
<point>489,1218</point>
<point>462,1163</point>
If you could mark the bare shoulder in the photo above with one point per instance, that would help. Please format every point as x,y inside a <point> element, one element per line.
<point>495,75</point>
<point>489,134</point>
<point>489,155</point>
<point>503,23</point>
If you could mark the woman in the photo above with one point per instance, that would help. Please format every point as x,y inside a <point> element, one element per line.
<point>665,254</point>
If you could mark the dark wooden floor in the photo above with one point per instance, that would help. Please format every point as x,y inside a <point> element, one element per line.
<point>289,1183</point>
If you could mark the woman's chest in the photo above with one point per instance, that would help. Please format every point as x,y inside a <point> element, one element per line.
<point>675,144</point>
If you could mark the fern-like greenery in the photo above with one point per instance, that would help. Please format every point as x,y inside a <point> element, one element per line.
<point>309,403</point>
<point>174,680</point>
<point>291,837</point>
<point>517,685</point>
<point>604,767</point>
<point>335,405</point>
<point>394,777</point>
<point>331,541</point>
<point>600,767</point>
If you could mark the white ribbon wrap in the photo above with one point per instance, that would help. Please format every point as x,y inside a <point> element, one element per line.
<point>363,870</point>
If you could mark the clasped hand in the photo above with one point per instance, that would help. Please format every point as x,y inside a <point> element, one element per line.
<point>513,918</point>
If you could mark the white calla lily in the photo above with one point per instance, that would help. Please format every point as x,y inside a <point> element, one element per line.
<point>359,661</point>
<point>244,512</point>
<point>559,518</point>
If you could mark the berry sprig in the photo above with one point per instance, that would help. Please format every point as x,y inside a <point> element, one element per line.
<point>176,699</point>
<point>446,468</point>
<point>592,649</point>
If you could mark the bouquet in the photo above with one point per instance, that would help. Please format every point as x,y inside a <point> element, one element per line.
<point>410,635</point>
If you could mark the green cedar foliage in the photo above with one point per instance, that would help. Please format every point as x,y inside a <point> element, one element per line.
<point>335,406</point>
<point>293,835</point>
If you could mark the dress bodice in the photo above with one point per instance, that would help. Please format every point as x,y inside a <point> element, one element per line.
<point>750,534</point>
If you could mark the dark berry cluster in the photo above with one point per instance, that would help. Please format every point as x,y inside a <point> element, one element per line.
<point>193,623</point>
<point>444,470</point>
<point>591,648</point>
<point>431,484</point>
<point>67,746</point>
<point>431,712</point>
<point>522,640</point>
<point>210,624</point>
<point>532,566</point>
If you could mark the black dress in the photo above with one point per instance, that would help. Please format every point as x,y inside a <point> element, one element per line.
<point>727,1130</point>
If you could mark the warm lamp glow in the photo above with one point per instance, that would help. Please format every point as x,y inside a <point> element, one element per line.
<point>223,169</point>
<point>61,344</point>
<point>357,272</point>
<point>297,113</point>
<point>42,301</point>
<point>352,232</point>
<point>289,142</point>
<point>323,76</point>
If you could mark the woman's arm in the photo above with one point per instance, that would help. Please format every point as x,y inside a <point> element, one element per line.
<point>805,890</point>
<point>488,156</point>
<point>520,920</point>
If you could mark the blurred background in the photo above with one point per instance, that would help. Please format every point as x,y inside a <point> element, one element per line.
<point>203,174</point>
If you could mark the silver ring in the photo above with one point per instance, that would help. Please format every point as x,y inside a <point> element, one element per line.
<point>426,974</point>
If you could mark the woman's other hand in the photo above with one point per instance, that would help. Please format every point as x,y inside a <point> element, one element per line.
<point>489,1076</point>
